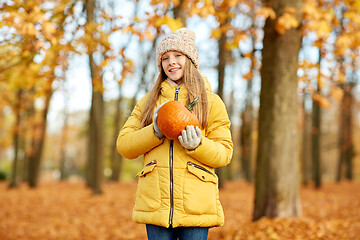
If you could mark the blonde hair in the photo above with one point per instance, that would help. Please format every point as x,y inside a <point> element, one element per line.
<point>195,85</point>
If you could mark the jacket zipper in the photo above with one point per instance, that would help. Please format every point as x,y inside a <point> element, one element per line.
<point>171,170</point>
<point>200,167</point>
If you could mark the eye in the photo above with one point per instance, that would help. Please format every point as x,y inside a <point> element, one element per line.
<point>165,58</point>
<point>178,55</point>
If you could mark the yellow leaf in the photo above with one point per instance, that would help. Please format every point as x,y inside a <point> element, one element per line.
<point>343,43</point>
<point>49,27</point>
<point>321,100</point>
<point>137,19</point>
<point>353,16</point>
<point>321,82</point>
<point>216,33</point>
<point>39,45</point>
<point>232,3</point>
<point>173,24</point>
<point>165,3</point>
<point>310,10</point>
<point>266,12</point>
<point>248,76</point>
<point>274,236</point>
<point>26,53</point>
<point>324,29</point>
<point>104,63</point>
<point>206,9</point>
<point>231,45</point>
<point>286,21</point>
<point>53,40</point>
<point>354,4</point>
<point>127,69</point>
<point>104,39</point>
<point>159,21</point>
<point>329,15</point>
<point>91,27</point>
<point>341,77</point>
<point>234,43</point>
<point>29,29</point>
<point>35,15</point>
<point>129,63</point>
<point>149,35</point>
<point>122,52</point>
<point>34,67</point>
<point>248,55</point>
<point>221,15</point>
<point>318,43</point>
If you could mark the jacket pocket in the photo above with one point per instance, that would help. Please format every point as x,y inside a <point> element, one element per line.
<point>148,196</point>
<point>199,190</point>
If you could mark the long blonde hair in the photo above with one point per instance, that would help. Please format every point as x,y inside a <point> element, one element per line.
<point>195,85</point>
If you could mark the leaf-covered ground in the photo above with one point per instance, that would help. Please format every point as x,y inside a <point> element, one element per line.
<point>69,211</point>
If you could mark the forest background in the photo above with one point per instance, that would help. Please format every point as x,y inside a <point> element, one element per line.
<point>45,73</point>
<point>71,72</point>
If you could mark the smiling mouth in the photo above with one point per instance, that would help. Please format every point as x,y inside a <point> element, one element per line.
<point>174,70</point>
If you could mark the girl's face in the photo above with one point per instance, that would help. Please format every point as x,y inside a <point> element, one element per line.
<point>173,64</point>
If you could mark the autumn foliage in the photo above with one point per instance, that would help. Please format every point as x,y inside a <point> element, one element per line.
<point>39,38</point>
<point>69,211</point>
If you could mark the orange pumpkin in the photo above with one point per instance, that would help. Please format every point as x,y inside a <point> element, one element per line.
<point>174,116</point>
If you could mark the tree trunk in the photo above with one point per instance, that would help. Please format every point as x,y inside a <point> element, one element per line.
<point>221,77</point>
<point>24,144</point>
<point>116,158</point>
<point>16,139</point>
<point>179,12</point>
<point>63,142</point>
<point>96,143</point>
<point>247,125</point>
<point>316,132</point>
<point>96,123</point>
<point>277,171</point>
<point>221,65</point>
<point>346,145</point>
<point>248,115</point>
<point>345,120</point>
<point>37,145</point>
<point>246,135</point>
<point>306,145</point>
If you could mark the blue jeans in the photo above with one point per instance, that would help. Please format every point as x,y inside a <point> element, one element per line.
<point>182,233</point>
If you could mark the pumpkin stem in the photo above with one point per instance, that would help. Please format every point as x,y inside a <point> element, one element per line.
<point>191,105</point>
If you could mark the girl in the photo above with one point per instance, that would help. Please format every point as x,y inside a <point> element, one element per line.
<point>177,194</point>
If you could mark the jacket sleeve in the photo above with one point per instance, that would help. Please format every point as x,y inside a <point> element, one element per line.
<point>216,148</point>
<point>132,141</point>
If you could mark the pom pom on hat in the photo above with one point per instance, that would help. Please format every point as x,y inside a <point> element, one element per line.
<point>182,40</point>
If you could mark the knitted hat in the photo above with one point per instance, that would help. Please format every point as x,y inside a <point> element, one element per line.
<point>182,40</point>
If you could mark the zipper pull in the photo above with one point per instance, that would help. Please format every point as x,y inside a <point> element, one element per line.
<point>177,93</point>
<point>151,163</point>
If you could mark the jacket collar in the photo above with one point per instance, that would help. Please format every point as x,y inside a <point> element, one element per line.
<point>168,91</point>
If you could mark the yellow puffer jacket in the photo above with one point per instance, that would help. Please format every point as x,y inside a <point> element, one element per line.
<point>178,187</point>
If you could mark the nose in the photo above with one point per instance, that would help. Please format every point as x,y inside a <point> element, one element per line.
<point>172,60</point>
